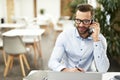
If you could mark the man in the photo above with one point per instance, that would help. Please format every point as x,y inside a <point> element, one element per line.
<point>79,49</point>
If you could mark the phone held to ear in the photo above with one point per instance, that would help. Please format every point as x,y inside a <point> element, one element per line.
<point>90,30</point>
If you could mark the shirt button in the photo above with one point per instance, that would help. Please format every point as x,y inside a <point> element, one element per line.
<point>81,49</point>
<point>96,45</point>
<point>98,56</point>
<point>80,59</point>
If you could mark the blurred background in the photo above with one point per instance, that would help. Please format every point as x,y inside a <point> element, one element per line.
<point>54,16</point>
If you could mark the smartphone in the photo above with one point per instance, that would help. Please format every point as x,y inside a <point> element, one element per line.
<point>90,30</point>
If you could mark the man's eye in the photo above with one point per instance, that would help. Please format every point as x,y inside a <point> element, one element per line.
<point>77,20</point>
<point>86,21</point>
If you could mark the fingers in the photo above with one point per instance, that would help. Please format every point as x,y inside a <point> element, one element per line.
<point>96,32</point>
<point>73,70</point>
<point>79,69</point>
<point>95,25</point>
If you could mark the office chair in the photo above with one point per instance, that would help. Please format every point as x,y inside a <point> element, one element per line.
<point>14,47</point>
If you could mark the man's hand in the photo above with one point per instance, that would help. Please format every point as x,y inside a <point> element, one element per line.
<point>72,70</point>
<point>96,32</point>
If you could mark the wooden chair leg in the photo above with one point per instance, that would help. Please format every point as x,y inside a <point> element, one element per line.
<point>35,53</point>
<point>4,57</point>
<point>26,62</point>
<point>39,49</point>
<point>11,64</point>
<point>10,58</point>
<point>22,66</point>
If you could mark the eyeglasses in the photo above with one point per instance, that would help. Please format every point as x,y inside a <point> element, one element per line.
<point>86,22</point>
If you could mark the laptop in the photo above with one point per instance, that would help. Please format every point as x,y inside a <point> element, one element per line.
<point>51,75</point>
<point>74,76</point>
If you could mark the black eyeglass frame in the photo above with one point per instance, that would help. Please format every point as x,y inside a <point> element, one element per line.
<point>85,22</point>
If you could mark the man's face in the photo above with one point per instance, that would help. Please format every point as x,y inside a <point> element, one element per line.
<point>83,21</point>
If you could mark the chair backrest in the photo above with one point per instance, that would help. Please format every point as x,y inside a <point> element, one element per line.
<point>13,45</point>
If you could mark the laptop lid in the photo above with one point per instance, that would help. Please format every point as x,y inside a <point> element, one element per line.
<point>74,76</point>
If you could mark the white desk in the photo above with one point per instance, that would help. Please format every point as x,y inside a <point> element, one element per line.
<point>110,75</point>
<point>24,32</point>
<point>11,25</point>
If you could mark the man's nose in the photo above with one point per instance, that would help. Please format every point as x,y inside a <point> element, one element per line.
<point>81,24</point>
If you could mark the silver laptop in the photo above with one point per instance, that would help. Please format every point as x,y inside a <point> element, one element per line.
<point>74,76</point>
<point>51,75</point>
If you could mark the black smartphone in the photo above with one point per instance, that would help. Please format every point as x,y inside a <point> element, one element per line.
<point>90,30</point>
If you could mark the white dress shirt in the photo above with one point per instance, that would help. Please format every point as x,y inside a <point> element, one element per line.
<point>71,50</point>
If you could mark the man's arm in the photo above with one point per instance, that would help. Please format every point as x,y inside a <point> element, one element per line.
<point>100,47</point>
<point>55,60</point>
<point>100,56</point>
<point>57,54</point>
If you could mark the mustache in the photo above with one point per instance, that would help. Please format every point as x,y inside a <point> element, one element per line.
<point>77,26</point>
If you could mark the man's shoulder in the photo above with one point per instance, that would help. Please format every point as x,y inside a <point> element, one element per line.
<point>101,36</point>
<point>67,33</point>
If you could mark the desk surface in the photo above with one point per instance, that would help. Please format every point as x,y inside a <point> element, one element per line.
<point>24,32</point>
<point>11,25</point>
<point>109,75</point>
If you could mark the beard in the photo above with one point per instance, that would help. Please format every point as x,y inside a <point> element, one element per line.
<point>82,29</point>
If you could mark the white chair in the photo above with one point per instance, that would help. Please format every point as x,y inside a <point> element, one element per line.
<point>14,47</point>
<point>34,42</point>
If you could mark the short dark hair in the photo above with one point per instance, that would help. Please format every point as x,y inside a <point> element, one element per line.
<point>85,8</point>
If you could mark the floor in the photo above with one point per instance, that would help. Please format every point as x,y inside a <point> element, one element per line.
<point>47,44</point>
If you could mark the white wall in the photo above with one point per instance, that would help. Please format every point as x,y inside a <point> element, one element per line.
<point>17,8</point>
<point>52,7</point>
<point>3,13</point>
<point>24,8</point>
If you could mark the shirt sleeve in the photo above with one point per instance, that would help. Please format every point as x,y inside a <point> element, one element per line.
<point>56,57</point>
<point>100,56</point>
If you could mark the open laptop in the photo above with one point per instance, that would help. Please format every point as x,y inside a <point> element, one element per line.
<point>51,75</point>
<point>74,76</point>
